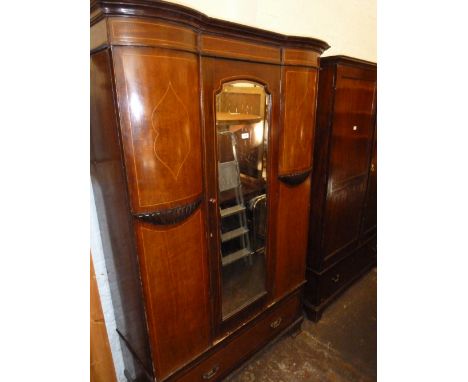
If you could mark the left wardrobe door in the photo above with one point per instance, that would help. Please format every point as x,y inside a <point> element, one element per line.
<point>158,99</point>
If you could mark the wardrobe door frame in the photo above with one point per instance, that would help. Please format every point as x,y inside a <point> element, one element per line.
<point>215,73</point>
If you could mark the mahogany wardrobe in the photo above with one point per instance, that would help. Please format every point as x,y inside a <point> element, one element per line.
<point>201,156</point>
<point>343,216</point>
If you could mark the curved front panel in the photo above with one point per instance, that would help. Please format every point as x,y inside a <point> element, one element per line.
<point>158,92</point>
<point>176,283</point>
<point>298,122</point>
<point>291,237</point>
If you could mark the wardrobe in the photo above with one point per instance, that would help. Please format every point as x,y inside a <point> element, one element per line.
<point>343,214</point>
<point>201,157</point>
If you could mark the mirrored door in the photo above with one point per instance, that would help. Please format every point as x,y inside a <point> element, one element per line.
<point>242,109</point>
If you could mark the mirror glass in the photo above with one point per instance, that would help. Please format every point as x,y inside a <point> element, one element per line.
<point>242,139</point>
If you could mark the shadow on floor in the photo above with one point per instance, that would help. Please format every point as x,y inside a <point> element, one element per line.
<point>342,346</point>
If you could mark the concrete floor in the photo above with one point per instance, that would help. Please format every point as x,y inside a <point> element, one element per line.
<point>342,346</point>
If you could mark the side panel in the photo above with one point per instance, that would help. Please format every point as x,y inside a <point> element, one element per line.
<point>110,195</point>
<point>295,157</point>
<point>158,96</point>
<point>369,223</point>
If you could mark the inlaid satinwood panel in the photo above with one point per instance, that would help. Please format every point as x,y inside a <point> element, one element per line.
<point>298,123</point>
<point>160,121</point>
<point>234,48</point>
<point>173,262</point>
<point>352,129</point>
<point>291,236</point>
<point>140,31</point>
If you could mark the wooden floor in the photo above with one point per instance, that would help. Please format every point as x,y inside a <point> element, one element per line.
<point>341,347</point>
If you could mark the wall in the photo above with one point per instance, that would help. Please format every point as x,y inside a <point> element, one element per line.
<point>348,26</point>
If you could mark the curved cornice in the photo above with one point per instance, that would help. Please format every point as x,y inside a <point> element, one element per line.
<point>199,21</point>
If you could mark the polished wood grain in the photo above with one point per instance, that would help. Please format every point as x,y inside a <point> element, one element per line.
<point>241,346</point>
<point>350,146</point>
<point>346,115</point>
<point>295,153</point>
<point>154,154</point>
<point>102,365</point>
<point>98,35</point>
<point>292,222</point>
<point>343,216</point>
<point>161,131</point>
<point>140,31</point>
<point>173,263</point>
<point>215,72</point>
<point>353,118</point>
<point>300,57</point>
<point>187,17</point>
<point>115,224</point>
<point>232,48</point>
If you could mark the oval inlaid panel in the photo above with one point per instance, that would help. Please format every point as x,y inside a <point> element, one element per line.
<point>160,117</point>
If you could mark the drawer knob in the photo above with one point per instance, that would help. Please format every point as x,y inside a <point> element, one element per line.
<point>372,167</point>
<point>336,278</point>
<point>276,323</point>
<point>210,373</point>
<point>355,128</point>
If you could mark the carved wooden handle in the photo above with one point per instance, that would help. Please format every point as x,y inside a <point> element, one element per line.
<point>170,215</point>
<point>296,178</point>
<point>210,373</point>
<point>276,323</point>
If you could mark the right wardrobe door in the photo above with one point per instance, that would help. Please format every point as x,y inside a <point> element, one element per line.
<point>343,199</point>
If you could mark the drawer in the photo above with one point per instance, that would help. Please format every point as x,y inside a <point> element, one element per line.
<point>233,351</point>
<point>343,273</point>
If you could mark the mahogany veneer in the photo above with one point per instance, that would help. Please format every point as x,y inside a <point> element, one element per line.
<point>343,218</point>
<point>156,69</point>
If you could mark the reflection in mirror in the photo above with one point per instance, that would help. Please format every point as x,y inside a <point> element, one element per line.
<point>242,136</point>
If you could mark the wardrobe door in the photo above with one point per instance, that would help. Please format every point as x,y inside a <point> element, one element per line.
<point>351,142</point>
<point>241,102</point>
<point>158,93</point>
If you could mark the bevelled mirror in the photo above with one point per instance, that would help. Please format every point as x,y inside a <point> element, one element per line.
<point>242,145</point>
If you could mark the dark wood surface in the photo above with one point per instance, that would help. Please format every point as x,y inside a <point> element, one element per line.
<point>295,157</point>
<point>369,220</point>
<point>161,131</point>
<point>295,152</point>
<point>154,130</point>
<point>215,72</point>
<point>173,264</point>
<point>188,17</point>
<point>115,222</point>
<point>344,187</point>
<point>235,349</point>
